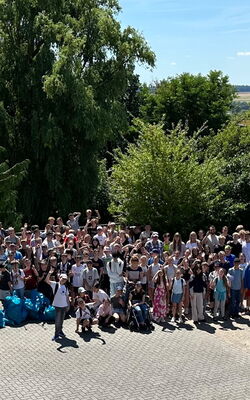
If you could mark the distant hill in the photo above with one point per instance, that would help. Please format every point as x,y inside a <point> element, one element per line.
<point>242,88</point>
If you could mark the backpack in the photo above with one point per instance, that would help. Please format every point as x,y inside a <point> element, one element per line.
<point>56,289</point>
<point>182,283</point>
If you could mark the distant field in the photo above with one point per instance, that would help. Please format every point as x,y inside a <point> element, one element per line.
<point>243,96</point>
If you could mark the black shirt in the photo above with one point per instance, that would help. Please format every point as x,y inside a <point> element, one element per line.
<point>137,296</point>
<point>4,279</point>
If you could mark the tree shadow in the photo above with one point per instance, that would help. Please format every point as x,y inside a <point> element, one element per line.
<point>66,342</point>
<point>87,336</point>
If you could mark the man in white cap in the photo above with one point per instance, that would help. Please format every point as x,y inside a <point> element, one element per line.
<point>60,302</point>
<point>100,235</point>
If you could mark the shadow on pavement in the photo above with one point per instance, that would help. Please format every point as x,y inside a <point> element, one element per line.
<point>87,336</point>
<point>108,329</point>
<point>170,328</point>
<point>66,342</point>
<point>204,326</point>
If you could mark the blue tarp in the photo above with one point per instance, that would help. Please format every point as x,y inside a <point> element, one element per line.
<point>36,307</point>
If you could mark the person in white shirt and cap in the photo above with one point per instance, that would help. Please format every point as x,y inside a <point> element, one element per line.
<point>60,302</point>
<point>101,236</point>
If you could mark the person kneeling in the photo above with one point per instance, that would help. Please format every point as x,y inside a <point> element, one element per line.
<point>104,314</point>
<point>83,316</point>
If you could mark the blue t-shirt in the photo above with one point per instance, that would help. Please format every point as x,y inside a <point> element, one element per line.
<point>236,276</point>
<point>230,259</point>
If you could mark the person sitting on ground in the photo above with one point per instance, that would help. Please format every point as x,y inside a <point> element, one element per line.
<point>98,296</point>
<point>119,305</point>
<point>104,314</point>
<point>83,316</point>
<point>137,302</point>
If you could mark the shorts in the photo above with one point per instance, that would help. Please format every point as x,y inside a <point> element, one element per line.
<point>176,298</point>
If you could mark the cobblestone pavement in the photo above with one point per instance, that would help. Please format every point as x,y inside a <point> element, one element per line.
<point>210,362</point>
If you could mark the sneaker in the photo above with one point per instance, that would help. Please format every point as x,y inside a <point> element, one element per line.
<point>179,320</point>
<point>173,319</point>
<point>55,337</point>
<point>89,329</point>
<point>62,334</point>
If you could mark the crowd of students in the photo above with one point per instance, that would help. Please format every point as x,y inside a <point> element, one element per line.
<point>102,272</point>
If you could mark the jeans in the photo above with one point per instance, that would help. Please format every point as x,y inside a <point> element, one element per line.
<point>221,304</point>
<point>60,314</point>
<point>141,312</point>
<point>235,301</point>
<point>114,286</point>
<point>20,293</point>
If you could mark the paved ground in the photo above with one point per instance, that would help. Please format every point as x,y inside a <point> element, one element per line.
<point>173,362</point>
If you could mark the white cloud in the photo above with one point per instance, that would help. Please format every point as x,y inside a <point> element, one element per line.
<point>243,53</point>
<point>173,63</point>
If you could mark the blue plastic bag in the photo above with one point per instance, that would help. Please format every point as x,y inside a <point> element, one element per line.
<point>33,309</point>
<point>15,310</point>
<point>49,314</point>
<point>2,319</point>
<point>35,305</point>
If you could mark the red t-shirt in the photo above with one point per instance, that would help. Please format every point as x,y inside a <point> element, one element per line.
<point>32,282</point>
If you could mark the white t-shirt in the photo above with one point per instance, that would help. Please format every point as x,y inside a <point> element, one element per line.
<point>170,271</point>
<point>83,313</point>
<point>77,272</point>
<point>18,283</point>
<point>102,238</point>
<point>177,286</point>
<point>100,296</point>
<point>62,294</point>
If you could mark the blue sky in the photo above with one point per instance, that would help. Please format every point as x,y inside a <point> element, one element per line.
<point>193,36</point>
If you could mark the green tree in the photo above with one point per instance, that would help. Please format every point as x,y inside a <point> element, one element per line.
<point>65,67</point>
<point>230,149</point>
<point>10,178</point>
<point>192,99</point>
<point>162,182</point>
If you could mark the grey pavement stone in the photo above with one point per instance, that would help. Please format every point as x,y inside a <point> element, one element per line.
<point>173,362</point>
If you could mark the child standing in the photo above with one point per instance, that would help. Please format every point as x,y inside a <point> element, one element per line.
<point>177,297</point>
<point>221,287</point>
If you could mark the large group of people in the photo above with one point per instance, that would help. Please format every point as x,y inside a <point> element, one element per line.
<point>114,274</point>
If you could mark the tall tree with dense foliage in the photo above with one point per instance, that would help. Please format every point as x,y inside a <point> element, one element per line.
<point>161,181</point>
<point>64,69</point>
<point>230,149</point>
<point>192,99</point>
<point>10,178</point>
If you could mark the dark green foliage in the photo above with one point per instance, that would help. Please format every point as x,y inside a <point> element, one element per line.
<point>10,178</point>
<point>167,182</point>
<point>64,69</point>
<point>194,100</point>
